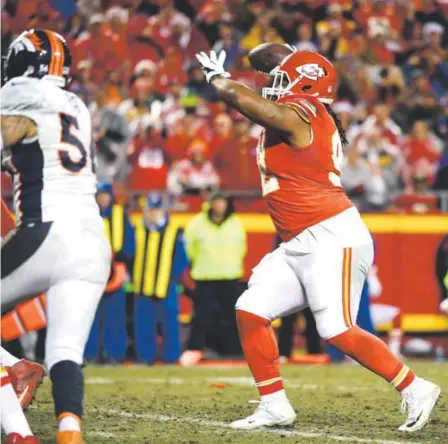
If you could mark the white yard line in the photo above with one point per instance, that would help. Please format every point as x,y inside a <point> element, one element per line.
<point>241,381</point>
<point>225,426</point>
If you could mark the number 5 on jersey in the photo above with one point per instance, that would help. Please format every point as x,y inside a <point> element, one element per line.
<point>74,158</point>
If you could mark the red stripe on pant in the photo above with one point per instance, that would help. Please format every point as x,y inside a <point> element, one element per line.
<point>5,380</point>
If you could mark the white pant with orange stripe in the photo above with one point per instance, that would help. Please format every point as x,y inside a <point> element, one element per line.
<point>324,268</point>
<point>69,260</point>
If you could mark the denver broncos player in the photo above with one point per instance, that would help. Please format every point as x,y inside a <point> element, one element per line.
<point>59,246</point>
<point>327,249</point>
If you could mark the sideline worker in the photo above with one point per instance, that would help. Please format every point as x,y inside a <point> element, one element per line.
<point>216,245</point>
<point>159,263</point>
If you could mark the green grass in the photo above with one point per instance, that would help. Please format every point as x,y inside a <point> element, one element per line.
<point>171,405</point>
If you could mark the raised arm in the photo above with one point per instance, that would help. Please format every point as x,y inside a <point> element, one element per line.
<point>255,107</point>
<point>16,128</point>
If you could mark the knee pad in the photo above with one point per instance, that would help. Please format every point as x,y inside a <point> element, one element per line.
<point>241,302</point>
<point>250,302</point>
<point>328,326</point>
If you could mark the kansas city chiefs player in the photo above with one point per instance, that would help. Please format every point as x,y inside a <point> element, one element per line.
<point>327,249</point>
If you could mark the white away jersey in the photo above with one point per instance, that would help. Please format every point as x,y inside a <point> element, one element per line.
<point>53,171</point>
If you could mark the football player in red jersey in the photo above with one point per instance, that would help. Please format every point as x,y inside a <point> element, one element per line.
<point>327,249</point>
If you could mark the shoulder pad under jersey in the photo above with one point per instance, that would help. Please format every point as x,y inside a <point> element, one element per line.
<point>306,106</point>
<point>23,95</point>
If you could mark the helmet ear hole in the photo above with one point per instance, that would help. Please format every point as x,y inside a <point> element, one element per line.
<point>306,88</point>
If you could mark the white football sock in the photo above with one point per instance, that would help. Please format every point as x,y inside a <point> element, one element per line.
<point>7,359</point>
<point>275,397</point>
<point>13,419</point>
<point>69,423</point>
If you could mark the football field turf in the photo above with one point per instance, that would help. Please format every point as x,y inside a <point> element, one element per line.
<point>170,405</point>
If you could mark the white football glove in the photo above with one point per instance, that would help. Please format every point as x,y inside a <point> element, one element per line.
<point>212,65</point>
<point>444,306</point>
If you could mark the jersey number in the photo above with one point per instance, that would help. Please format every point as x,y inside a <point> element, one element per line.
<point>338,157</point>
<point>269,182</point>
<point>68,138</point>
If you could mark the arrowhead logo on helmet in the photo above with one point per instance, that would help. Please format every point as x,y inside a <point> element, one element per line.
<point>304,72</point>
<point>311,71</point>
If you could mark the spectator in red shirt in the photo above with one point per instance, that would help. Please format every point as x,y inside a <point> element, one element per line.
<point>144,69</point>
<point>420,144</point>
<point>139,104</point>
<point>47,18</point>
<point>23,13</point>
<point>187,130</point>
<point>170,70</point>
<point>193,174</point>
<point>379,15</point>
<point>137,22</point>
<point>148,159</point>
<point>236,160</point>
<point>223,132</point>
<point>336,22</point>
<point>381,121</point>
<point>116,30</point>
<point>377,49</point>
<point>141,45</point>
<point>171,109</point>
<point>418,198</point>
<point>169,26</point>
<point>98,47</point>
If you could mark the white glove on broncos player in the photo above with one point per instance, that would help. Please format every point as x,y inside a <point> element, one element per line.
<point>213,65</point>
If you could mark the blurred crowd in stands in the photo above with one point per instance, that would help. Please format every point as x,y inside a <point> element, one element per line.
<point>159,126</point>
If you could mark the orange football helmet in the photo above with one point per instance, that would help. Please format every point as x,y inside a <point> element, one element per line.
<point>304,72</point>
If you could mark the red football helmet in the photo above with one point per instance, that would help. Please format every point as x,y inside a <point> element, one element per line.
<point>304,72</point>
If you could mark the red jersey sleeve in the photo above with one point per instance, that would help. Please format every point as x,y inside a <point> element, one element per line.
<point>306,107</point>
